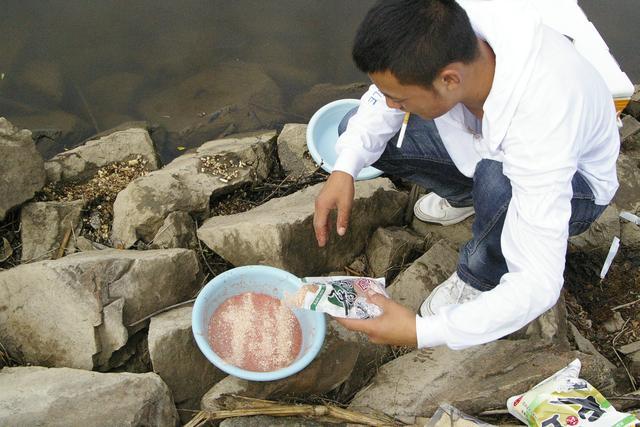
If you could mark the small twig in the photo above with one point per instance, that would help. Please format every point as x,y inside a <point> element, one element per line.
<point>624,398</point>
<point>493,412</point>
<point>353,272</point>
<point>618,307</point>
<point>613,345</point>
<point>202,251</point>
<point>63,245</point>
<point>275,190</point>
<point>162,310</point>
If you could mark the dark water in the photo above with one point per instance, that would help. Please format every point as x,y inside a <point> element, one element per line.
<point>196,69</point>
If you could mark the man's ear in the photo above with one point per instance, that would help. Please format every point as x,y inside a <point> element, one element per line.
<point>450,78</point>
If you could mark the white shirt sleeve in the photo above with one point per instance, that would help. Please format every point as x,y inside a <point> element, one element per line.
<point>367,134</point>
<point>540,159</point>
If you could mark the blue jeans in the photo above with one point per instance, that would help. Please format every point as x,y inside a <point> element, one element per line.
<point>424,160</point>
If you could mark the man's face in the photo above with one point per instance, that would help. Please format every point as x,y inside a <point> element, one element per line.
<point>426,103</point>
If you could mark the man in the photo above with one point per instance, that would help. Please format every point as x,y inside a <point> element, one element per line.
<point>507,121</point>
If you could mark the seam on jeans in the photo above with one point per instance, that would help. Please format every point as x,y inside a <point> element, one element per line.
<point>583,196</point>
<point>490,226</point>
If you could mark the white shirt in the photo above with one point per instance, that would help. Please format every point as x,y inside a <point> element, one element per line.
<point>548,115</point>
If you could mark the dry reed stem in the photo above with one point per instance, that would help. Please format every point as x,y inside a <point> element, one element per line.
<point>276,409</point>
<point>64,244</point>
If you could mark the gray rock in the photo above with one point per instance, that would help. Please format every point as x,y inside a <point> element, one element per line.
<point>83,244</point>
<point>550,328</point>
<point>230,98</point>
<point>113,334</point>
<point>21,165</point>
<point>630,348</point>
<point>457,234</point>
<point>415,283</point>
<point>44,226</point>
<point>177,231</point>
<point>626,197</point>
<point>630,128</point>
<point>176,357</point>
<point>633,107</point>
<point>345,358</point>
<point>292,151</point>
<point>185,185</point>
<point>359,264</point>
<point>389,249</point>
<point>630,235</point>
<point>280,232</point>
<point>587,347</point>
<point>614,323</point>
<point>82,162</point>
<point>472,380</point>
<point>36,396</point>
<point>600,235</point>
<point>321,94</point>
<point>65,312</point>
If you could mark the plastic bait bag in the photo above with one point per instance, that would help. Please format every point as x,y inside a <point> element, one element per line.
<point>564,399</point>
<point>339,296</point>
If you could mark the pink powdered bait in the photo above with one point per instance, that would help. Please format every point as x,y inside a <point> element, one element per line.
<point>255,332</point>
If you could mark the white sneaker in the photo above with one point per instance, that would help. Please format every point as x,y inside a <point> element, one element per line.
<point>452,291</point>
<point>433,208</point>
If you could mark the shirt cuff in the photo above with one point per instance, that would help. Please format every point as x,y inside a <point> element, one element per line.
<point>350,162</point>
<point>429,331</point>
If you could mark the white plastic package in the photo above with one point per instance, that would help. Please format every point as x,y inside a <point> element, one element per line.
<point>339,296</point>
<point>564,399</point>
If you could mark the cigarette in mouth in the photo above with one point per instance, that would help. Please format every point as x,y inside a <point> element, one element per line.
<point>403,129</point>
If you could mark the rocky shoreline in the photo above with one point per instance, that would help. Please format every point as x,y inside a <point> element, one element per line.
<point>97,241</point>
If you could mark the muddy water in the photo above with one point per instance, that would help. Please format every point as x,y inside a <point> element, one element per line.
<point>196,69</point>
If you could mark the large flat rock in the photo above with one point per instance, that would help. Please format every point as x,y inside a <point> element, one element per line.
<point>73,312</point>
<point>280,232</point>
<point>21,165</point>
<point>473,380</point>
<point>83,162</point>
<point>188,183</point>
<point>37,396</point>
<point>176,357</point>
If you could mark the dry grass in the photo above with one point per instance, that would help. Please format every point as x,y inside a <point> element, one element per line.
<point>6,359</point>
<point>239,406</point>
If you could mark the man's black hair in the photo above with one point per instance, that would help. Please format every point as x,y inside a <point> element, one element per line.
<point>414,39</point>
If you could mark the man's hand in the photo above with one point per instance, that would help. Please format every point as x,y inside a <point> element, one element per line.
<point>396,325</point>
<point>338,193</point>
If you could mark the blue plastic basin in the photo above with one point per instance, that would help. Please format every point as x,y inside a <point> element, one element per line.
<point>262,279</point>
<point>322,134</point>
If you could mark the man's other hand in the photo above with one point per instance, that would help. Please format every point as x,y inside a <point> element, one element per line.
<point>396,325</point>
<point>338,192</point>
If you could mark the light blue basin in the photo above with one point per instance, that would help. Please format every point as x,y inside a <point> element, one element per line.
<point>262,279</point>
<point>322,134</point>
